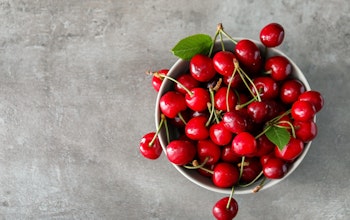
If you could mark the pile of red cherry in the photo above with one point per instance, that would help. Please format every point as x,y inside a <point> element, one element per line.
<point>239,117</point>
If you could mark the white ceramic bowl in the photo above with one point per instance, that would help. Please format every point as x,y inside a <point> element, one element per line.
<point>181,67</point>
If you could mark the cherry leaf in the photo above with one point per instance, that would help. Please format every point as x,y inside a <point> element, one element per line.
<point>192,45</point>
<point>279,136</point>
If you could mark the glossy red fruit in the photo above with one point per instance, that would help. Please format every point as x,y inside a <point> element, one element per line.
<point>228,155</point>
<point>196,129</point>
<point>180,152</point>
<point>235,121</point>
<point>244,144</point>
<point>258,111</point>
<point>224,62</point>
<point>248,55</point>
<point>291,90</point>
<point>219,134</point>
<point>291,151</point>
<point>172,103</point>
<point>223,212</point>
<point>251,170</point>
<point>305,130</point>
<point>235,80</point>
<point>198,99</point>
<point>266,86</point>
<point>225,175</point>
<point>221,99</point>
<point>272,35</point>
<point>202,68</point>
<point>157,81</point>
<point>314,97</point>
<point>149,150</point>
<point>187,81</point>
<point>303,111</point>
<point>279,67</point>
<point>264,146</point>
<point>207,149</point>
<point>275,168</point>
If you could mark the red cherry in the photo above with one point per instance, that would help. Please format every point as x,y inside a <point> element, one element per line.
<point>266,86</point>
<point>225,175</point>
<point>303,111</point>
<point>172,103</point>
<point>291,90</point>
<point>272,35</point>
<point>264,146</point>
<point>221,99</point>
<point>157,81</point>
<point>180,152</point>
<point>248,55</point>
<point>314,97</point>
<point>258,111</point>
<point>187,81</point>
<point>224,62</point>
<point>207,149</point>
<point>305,130</point>
<point>198,99</point>
<point>251,170</point>
<point>150,150</point>
<point>235,121</point>
<point>228,155</point>
<point>279,67</point>
<point>223,212</point>
<point>196,129</point>
<point>219,134</point>
<point>274,168</point>
<point>244,144</point>
<point>291,151</point>
<point>266,157</point>
<point>235,80</point>
<point>202,68</point>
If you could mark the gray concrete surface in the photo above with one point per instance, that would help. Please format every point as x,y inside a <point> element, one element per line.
<point>74,103</point>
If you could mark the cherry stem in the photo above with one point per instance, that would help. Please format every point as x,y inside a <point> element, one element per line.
<point>222,42</point>
<point>241,168</point>
<point>229,87</point>
<point>228,36</point>
<point>253,181</point>
<point>182,118</point>
<point>162,121</point>
<point>245,76</point>
<point>240,106</point>
<point>219,27</point>
<point>260,186</point>
<point>290,126</point>
<point>211,107</point>
<point>195,164</point>
<point>230,198</point>
<point>263,132</point>
<point>166,130</point>
<point>175,81</point>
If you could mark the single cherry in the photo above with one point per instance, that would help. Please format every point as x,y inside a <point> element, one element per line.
<point>224,62</point>
<point>187,81</point>
<point>150,147</point>
<point>196,129</point>
<point>272,35</point>
<point>228,155</point>
<point>291,151</point>
<point>219,134</point>
<point>305,130</point>
<point>291,90</point>
<point>244,144</point>
<point>235,121</point>
<point>275,168</point>
<point>279,67</point>
<point>202,68</point>
<point>258,111</point>
<point>314,97</point>
<point>303,111</point>
<point>225,209</point>
<point>251,169</point>
<point>207,150</point>
<point>172,103</point>
<point>248,55</point>
<point>221,99</point>
<point>158,80</point>
<point>225,175</point>
<point>264,146</point>
<point>198,99</point>
<point>266,86</point>
<point>180,152</point>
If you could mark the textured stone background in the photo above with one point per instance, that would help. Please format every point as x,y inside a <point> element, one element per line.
<point>74,103</point>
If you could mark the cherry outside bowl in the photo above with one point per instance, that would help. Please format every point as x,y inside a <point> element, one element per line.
<point>181,67</point>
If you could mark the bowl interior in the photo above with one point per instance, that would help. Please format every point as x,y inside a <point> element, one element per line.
<point>181,67</point>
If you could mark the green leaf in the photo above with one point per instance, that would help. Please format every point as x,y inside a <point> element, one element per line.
<point>278,136</point>
<point>192,45</point>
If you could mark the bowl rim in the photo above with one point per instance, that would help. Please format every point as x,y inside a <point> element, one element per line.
<point>200,180</point>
